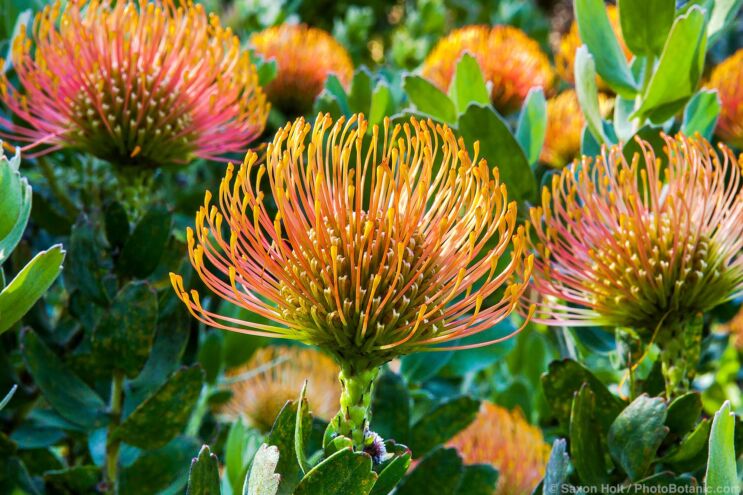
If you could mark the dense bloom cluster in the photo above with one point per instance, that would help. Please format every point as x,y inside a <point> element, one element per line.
<point>727,79</point>
<point>382,242</point>
<point>505,440</point>
<point>520,63</point>
<point>638,243</point>
<point>275,375</point>
<point>148,84</point>
<point>570,42</point>
<point>565,123</point>
<point>305,57</point>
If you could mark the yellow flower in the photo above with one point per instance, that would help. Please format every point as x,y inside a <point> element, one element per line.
<point>508,58</point>
<point>505,440</point>
<point>275,375</point>
<point>305,57</point>
<point>727,79</point>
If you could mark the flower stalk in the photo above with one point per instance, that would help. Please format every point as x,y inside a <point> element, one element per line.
<point>681,346</point>
<point>354,416</point>
<point>113,444</point>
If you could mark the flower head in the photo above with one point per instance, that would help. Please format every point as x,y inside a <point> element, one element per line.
<point>305,57</point>
<point>144,83</point>
<point>505,440</point>
<point>637,243</point>
<point>570,42</point>
<point>565,123</point>
<point>519,65</point>
<point>727,79</point>
<point>383,242</point>
<point>275,375</point>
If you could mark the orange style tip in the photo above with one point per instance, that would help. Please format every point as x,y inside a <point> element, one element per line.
<point>137,149</point>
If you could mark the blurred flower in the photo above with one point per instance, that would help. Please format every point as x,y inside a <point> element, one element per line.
<point>275,375</point>
<point>509,59</point>
<point>570,42</point>
<point>365,276</point>
<point>727,79</point>
<point>305,57</point>
<point>382,244</point>
<point>565,122</point>
<point>505,440</point>
<point>150,84</point>
<point>639,244</point>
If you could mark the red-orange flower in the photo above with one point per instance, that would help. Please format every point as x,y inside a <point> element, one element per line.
<point>381,244</point>
<point>505,440</point>
<point>639,244</point>
<point>570,42</point>
<point>508,58</point>
<point>274,375</point>
<point>305,57</point>
<point>144,83</point>
<point>727,79</point>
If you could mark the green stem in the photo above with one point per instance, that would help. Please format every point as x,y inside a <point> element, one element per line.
<point>354,415</point>
<point>112,445</point>
<point>647,76</point>
<point>48,172</point>
<point>681,346</point>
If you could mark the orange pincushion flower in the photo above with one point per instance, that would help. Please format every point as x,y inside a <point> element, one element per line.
<point>131,83</point>
<point>639,244</point>
<point>508,58</point>
<point>275,375</point>
<point>570,42</point>
<point>505,440</point>
<point>383,243</point>
<point>727,79</point>
<point>305,57</point>
<point>565,122</point>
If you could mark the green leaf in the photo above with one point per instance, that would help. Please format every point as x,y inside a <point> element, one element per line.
<point>585,439</point>
<point>262,478</point>
<point>210,355</point>
<point>15,204</point>
<point>596,32</point>
<point>64,391</point>
<point>557,469</point>
<point>360,93</point>
<point>478,479</point>
<point>636,434</point>
<point>500,149</point>
<point>701,113</point>
<point>117,224</point>
<point>588,144</point>
<point>344,473</point>
<point>392,470</point>
<point>439,472</point>
<point>532,124</point>
<point>677,74</point>
<point>144,247</point>
<point>645,24</point>
<point>564,378</point>
<point>381,104</point>
<point>588,93</point>
<point>203,479</point>
<point>8,396</point>
<point>85,266</point>
<point>429,99</point>
<point>724,13</point>
<point>691,452</point>
<point>122,340</point>
<point>162,415</point>
<point>442,423</point>
<point>721,474</point>
<point>29,285</point>
<point>283,437</point>
<point>476,359</point>
<point>683,413</point>
<point>155,470</point>
<point>241,446</point>
<point>468,85</point>
<point>391,406</point>
<point>301,435</point>
<point>73,480</point>
<point>421,366</point>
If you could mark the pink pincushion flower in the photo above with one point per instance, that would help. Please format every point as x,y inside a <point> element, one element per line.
<point>636,244</point>
<point>136,84</point>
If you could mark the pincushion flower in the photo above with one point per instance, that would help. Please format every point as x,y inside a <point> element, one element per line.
<point>520,63</point>
<point>305,57</point>
<point>565,123</point>
<point>382,244</point>
<point>570,42</point>
<point>727,79</point>
<point>634,244</point>
<point>505,440</point>
<point>275,375</point>
<point>132,83</point>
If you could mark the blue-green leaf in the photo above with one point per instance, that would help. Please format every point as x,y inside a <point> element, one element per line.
<point>722,475</point>
<point>701,113</point>
<point>430,100</point>
<point>588,93</point>
<point>468,85</point>
<point>532,124</point>
<point>203,479</point>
